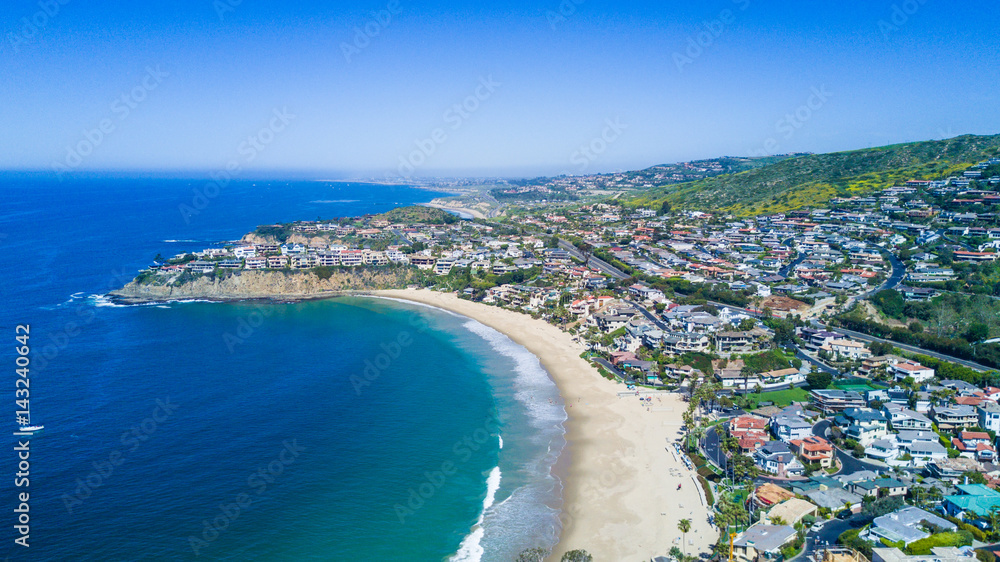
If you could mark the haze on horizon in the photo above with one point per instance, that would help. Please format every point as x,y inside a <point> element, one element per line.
<point>461,88</point>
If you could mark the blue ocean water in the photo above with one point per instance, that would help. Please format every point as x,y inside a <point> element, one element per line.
<point>348,429</point>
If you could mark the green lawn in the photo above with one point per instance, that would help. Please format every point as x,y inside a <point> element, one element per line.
<point>781,398</point>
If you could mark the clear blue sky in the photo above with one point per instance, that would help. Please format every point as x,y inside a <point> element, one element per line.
<point>558,81</point>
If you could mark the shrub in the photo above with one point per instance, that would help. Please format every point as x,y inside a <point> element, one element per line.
<point>924,546</point>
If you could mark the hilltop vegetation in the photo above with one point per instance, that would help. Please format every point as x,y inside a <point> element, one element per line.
<point>813,180</point>
<point>418,214</point>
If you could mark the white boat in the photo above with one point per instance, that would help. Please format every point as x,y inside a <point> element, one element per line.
<point>32,428</point>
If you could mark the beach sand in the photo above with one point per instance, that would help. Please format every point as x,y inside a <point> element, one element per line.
<point>620,470</point>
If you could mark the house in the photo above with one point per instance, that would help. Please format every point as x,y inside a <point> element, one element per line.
<point>833,400</point>
<point>953,469</point>
<point>975,445</point>
<point>883,450</point>
<point>846,348</point>
<point>939,554</point>
<point>790,427</point>
<point>989,416</point>
<point>813,450</point>
<point>769,494</point>
<point>776,458</point>
<point>762,541</point>
<point>905,418</point>
<point>834,498</point>
<point>916,371</point>
<point>906,525</point>
<point>952,417</point>
<point>878,487</point>
<point>729,342</point>
<point>749,431</point>
<point>790,511</point>
<point>972,501</point>
<point>864,425</point>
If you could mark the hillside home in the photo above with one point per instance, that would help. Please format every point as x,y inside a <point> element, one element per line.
<point>813,450</point>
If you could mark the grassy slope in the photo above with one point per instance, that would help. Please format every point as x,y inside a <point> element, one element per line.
<point>814,179</point>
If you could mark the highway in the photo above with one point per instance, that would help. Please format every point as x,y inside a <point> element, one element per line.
<point>594,261</point>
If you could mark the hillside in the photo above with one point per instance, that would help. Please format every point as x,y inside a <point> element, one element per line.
<point>814,179</point>
<point>418,214</point>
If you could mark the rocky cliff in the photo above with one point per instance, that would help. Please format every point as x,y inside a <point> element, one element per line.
<point>265,285</point>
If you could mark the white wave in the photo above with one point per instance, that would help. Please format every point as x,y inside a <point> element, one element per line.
<point>536,389</point>
<point>471,550</point>
<point>500,437</point>
<point>178,241</point>
<point>414,303</point>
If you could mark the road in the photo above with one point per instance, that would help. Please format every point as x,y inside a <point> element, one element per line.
<point>816,362</point>
<point>649,315</point>
<point>594,262</point>
<point>849,464</point>
<point>713,448</point>
<point>898,272</point>
<point>827,535</point>
<point>612,369</point>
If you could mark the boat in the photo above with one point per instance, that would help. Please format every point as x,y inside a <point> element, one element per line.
<point>32,428</point>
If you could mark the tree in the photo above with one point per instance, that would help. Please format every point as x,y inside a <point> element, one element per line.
<point>532,555</point>
<point>684,525</point>
<point>577,556</point>
<point>819,380</point>
<point>977,332</point>
<point>665,208</point>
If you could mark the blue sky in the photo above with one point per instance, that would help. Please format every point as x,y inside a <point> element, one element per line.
<point>274,87</point>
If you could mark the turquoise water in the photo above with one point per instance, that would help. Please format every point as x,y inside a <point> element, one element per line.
<point>349,429</point>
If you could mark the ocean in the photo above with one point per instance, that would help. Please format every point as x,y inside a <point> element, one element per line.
<point>345,429</point>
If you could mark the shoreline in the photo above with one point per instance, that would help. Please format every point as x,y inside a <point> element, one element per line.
<point>618,471</point>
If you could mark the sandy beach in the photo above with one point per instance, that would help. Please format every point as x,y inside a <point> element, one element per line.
<point>620,471</point>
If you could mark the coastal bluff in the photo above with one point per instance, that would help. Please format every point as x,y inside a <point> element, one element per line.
<point>248,285</point>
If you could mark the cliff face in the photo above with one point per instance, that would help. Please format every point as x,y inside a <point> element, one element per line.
<point>266,285</point>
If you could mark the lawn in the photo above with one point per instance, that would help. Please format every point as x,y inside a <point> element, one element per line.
<point>781,398</point>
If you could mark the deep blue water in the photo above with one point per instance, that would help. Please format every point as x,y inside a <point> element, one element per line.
<point>351,429</point>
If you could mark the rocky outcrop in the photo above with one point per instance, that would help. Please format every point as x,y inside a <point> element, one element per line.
<point>277,285</point>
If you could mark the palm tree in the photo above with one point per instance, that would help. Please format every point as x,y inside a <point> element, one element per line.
<point>684,525</point>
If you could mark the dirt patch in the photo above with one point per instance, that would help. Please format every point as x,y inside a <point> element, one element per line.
<point>784,304</point>
<point>874,314</point>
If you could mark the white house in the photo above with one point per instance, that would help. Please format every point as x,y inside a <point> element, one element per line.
<point>918,372</point>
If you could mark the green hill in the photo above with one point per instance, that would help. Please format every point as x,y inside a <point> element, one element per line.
<point>814,179</point>
<point>419,214</point>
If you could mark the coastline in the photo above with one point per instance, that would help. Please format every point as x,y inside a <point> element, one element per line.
<point>471,212</point>
<point>618,469</point>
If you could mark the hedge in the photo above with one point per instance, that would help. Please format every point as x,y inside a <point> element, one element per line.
<point>924,546</point>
